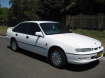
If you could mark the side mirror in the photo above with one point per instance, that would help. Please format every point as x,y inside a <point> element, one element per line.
<point>39,34</point>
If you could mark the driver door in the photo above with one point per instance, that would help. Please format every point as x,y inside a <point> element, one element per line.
<point>33,42</point>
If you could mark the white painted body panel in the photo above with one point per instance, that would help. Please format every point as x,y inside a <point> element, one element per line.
<point>68,42</point>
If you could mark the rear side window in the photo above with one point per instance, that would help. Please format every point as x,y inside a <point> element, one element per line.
<point>27,28</point>
<point>19,28</point>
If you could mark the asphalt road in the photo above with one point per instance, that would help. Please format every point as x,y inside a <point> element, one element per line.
<point>24,64</point>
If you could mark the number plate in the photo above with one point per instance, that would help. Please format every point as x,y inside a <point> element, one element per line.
<point>99,54</point>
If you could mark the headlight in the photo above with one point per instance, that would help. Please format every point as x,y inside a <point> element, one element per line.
<point>84,49</point>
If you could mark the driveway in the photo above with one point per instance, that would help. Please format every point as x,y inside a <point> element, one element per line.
<point>23,64</point>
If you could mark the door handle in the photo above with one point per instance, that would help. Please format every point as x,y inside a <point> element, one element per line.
<point>16,34</point>
<point>27,37</point>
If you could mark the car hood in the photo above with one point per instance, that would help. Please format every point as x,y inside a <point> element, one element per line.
<point>76,40</point>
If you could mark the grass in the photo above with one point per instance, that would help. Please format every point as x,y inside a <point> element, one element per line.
<point>3,30</point>
<point>100,35</point>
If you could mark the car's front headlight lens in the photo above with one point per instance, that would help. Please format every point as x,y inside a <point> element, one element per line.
<point>84,49</point>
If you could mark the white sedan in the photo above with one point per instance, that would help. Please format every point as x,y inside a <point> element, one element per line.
<point>54,41</point>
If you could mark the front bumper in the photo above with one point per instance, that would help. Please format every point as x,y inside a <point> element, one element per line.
<point>84,58</point>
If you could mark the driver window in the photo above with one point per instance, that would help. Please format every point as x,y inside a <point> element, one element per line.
<point>32,28</point>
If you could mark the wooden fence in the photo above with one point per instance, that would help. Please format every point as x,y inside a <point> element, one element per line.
<point>86,21</point>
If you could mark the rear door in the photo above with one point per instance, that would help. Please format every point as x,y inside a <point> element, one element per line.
<point>20,34</point>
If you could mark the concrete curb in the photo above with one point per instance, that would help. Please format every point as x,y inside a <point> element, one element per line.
<point>2,36</point>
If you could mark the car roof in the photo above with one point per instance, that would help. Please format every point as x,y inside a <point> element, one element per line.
<point>42,21</point>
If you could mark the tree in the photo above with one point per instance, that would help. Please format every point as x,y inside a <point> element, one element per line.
<point>22,10</point>
<point>57,10</point>
<point>50,9</point>
<point>3,16</point>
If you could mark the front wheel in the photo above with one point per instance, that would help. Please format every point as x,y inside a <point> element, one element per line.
<point>58,58</point>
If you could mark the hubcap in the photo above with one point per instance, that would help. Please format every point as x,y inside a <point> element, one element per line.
<point>56,58</point>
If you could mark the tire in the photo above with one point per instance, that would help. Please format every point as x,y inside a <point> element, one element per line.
<point>58,58</point>
<point>14,45</point>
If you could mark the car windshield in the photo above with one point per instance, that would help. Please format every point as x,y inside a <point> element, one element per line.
<point>54,28</point>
